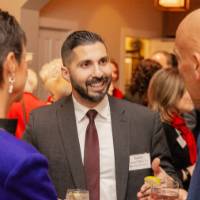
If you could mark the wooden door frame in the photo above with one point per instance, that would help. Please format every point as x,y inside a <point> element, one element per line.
<point>125,31</point>
<point>31,22</point>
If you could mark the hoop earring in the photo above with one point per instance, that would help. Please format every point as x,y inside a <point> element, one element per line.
<point>11,81</point>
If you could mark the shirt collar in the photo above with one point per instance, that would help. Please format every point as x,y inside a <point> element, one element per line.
<point>103,109</point>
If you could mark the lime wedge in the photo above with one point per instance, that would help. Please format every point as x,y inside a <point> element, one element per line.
<point>152,180</point>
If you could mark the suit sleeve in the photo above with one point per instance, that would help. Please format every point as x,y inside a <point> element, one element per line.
<point>28,135</point>
<point>160,149</point>
<point>29,180</point>
<point>194,189</point>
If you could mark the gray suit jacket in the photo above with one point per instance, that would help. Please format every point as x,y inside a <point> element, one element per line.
<point>52,130</point>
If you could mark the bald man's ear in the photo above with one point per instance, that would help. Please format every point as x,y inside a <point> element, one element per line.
<point>65,73</point>
<point>197,62</point>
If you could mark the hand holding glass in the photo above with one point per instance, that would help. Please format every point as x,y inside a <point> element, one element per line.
<point>167,190</point>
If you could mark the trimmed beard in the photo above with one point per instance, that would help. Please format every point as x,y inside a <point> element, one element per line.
<point>84,92</point>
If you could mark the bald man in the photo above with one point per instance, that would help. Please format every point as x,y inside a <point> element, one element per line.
<point>187,50</point>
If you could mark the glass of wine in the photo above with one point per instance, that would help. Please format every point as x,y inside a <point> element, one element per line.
<point>77,194</point>
<point>167,190</point>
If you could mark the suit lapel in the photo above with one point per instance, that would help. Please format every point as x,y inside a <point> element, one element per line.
<point>120,130</point>
<point>69,135</point>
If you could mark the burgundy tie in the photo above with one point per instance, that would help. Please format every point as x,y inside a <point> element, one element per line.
<point>91,157</point>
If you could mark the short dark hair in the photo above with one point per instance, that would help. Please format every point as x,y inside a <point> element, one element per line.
<point>12,38</point>
<point>75,39</point>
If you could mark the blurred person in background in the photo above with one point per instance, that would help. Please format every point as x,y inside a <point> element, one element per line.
<point>169,60</point>
<point>23,171</point>
<point>53,81</point>
<point>113,90</point>
<point>166,59</point>
<point>167,94</point>
<point>137,91</point>
<point>21,110</point>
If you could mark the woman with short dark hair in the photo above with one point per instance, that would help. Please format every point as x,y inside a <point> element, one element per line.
<point>23,171</point>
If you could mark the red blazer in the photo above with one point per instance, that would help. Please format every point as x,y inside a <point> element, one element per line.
<point>117,93</point>
<point>19,110</point>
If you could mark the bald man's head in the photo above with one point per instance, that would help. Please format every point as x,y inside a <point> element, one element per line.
<point>187,50</point>
<point>187,42</point>
<point>188,32</point>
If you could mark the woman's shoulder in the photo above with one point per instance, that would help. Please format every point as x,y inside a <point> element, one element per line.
<point>14,149</point>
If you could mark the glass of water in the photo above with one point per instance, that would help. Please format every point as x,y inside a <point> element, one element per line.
<point>167,190</point>
<point>77,194</point>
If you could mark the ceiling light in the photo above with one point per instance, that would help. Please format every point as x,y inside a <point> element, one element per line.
<point>172,5</point>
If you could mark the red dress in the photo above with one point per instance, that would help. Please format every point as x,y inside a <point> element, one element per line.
<point>19,110</point>
<point>117,93</point>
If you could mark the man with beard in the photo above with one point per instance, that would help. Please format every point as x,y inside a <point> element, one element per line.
<point>94,141</point>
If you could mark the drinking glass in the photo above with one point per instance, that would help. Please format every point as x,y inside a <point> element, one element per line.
<point>167,190</point>
<point>77,194</point>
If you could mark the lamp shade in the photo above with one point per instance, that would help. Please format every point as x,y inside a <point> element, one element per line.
<point>172,5</point>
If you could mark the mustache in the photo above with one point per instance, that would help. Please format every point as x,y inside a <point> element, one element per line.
<point>94,80</point>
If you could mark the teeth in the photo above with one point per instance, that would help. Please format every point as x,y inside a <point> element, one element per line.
<point>97,84</point>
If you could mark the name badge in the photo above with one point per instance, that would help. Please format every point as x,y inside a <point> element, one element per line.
<point>139,161</point>
<point>181,141</point>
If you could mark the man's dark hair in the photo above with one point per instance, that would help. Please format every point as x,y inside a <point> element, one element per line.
<point>75,39</point>
<point>12,38</point>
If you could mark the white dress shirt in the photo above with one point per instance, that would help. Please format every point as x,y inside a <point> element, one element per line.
<point>106,149</point>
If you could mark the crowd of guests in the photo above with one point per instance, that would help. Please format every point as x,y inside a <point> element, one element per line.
<point>162,130</point>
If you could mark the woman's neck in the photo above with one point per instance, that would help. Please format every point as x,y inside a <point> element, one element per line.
<point>4,103</point>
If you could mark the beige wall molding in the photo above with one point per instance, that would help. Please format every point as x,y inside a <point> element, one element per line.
<point>47,22</point>
<point>35,4</point>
